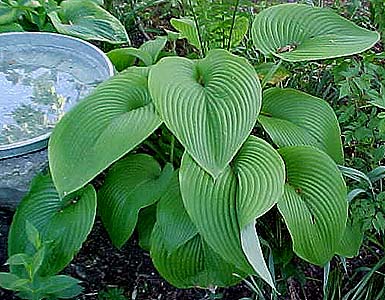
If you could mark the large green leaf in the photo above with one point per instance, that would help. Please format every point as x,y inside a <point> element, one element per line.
<point>179,252</point>
<point>132,184</point>
<point>293,118</point>
<point>314,203</point>
<point>105,126</point>
<point>87,20</point>
<point>65,222</point>
<point>210,104</point>
<point>296,32</point>
<point>223,209</point>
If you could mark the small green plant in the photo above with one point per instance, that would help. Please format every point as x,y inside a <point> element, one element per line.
<point>85,19</point>
<point>112,294</point>
<point>25,278</point>
<point>367,199</point>
<point>213,24</point>
<point>176,137</point>
<point>377,12</point>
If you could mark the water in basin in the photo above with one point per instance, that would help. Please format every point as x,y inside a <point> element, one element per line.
<point>37,85</point>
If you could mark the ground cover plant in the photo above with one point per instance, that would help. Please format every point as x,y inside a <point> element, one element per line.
<point>184,168</point>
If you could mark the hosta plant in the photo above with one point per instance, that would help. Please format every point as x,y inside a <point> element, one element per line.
<point>174,139</point>
<point>85,19</point>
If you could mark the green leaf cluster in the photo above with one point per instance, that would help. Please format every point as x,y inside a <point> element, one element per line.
<point>197,215</point>
<point>26,277</point>
<point>84,19</point>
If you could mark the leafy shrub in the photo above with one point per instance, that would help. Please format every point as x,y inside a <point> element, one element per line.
<point>200,217</point>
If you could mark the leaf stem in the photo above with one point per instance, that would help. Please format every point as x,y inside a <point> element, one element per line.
<point>197,27</point>
<point>172,149</point>
<point>233,24</point>
<point>157,150</point>
<point>271,73</point>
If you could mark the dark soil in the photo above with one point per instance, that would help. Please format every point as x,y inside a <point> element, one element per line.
<point>100,266</point>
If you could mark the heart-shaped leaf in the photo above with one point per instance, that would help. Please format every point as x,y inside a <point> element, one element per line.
<point>210,105</point>
<point>293,118</point>
<point>101,129</point>
<point>179,252</point>
<point>224,207</point>
<point>297,32</point>
<point>132,184</point>
<point>87,20</point>
<point>314,203</point>
<point>66,223</point>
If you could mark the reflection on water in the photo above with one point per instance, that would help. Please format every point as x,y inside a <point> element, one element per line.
<point>36,88</point>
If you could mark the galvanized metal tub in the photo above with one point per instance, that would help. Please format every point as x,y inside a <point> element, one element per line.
<point>42,75</point>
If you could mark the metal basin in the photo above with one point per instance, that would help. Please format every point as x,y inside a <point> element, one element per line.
<point>42,75</point>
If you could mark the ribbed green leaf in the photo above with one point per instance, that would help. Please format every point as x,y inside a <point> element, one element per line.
<point>292,118</point>
<point>210,105</point>
<point>351,240</point>
<point>314,203</point>
<point>188,30</point>
<point>87,20</point>
<point>65,222</point>
<point>133,183</point>
<point>105,126</point>
<point>296,32</point>
<point>172,218</point>
<point>145,225</point>
<point>178,251</point>
<point>223,207</point>
<point>154,47</point>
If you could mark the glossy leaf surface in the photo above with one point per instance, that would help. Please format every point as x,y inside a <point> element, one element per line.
<point>87,20</point>
<point>101,129</point>
<point>298,32</point>
<point>314,203</point>
<point>222,208</point>
<point>210,105</point>
<point>66,223</point>
<point>179,252</point>
<point>292,118</point>
<point>133,183</point>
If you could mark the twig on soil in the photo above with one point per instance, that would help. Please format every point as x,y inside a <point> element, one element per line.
<point>141,29</point>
